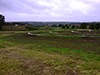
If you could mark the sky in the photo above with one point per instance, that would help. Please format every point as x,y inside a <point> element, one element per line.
<point>51,10</point>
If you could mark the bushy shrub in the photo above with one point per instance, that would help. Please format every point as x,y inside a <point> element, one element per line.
<point>63,27</point>
<point>60,25</point>
<point>53,25</point>
<point>67,26</point>
<point>72,26</point>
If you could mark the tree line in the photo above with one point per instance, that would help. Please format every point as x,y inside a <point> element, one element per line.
<point>93,25</point>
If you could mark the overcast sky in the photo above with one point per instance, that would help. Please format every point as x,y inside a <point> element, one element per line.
<point>50,10</point>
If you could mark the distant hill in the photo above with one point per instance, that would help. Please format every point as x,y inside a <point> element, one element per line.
<point>51,23</point>
<point>41,23</point>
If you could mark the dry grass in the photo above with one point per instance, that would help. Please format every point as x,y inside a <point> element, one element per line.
<point>19,57</point>
<point>14,28</point>
<point>19,60</point>
<point>15,60</point>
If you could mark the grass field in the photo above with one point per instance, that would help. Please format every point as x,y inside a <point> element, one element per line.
<point>14,28</point>
<point>58,53</point>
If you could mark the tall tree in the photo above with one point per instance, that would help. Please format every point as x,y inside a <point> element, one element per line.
<point>92,26</point>
<point>60,25</point>
<point>83,25</point>
<point>97,26</point>
<point>73,26</point>
<point>2,20</point>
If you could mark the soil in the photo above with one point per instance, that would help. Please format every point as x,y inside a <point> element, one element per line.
<point>86,43</point>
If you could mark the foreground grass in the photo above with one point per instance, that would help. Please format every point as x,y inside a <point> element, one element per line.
<point>41,56</point>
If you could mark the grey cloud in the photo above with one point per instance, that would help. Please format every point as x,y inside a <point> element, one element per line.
<point>9,4</point>
<point>20,6</point>
<point>50,10</point>
<point>35,5</point>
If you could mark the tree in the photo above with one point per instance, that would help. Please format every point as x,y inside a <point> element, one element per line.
<point>60,25</point>
<point>97,26</point>
<point>83,25</point>
<point>53,25</point>
<point>92,26</point>
<point>63,27</point>
<point>67,26</point>
<point>2,20</point>
<point>73,26</point>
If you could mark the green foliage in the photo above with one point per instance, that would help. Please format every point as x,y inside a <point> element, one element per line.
<point>60,25</point>
<point>53,25</point>
<point>2,21</point>
<point>83,25</point>
<point>31,28</point>
<point>14,23</point>
<point>67,26</point>
<point>73,26</point>
<point>63,27</point>
<point>97,26</point>
<point>92,26</point>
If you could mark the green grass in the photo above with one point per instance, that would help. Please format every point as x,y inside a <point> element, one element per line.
<point>47,45</point>
<point>56,55</point>
<point>68,37</point>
